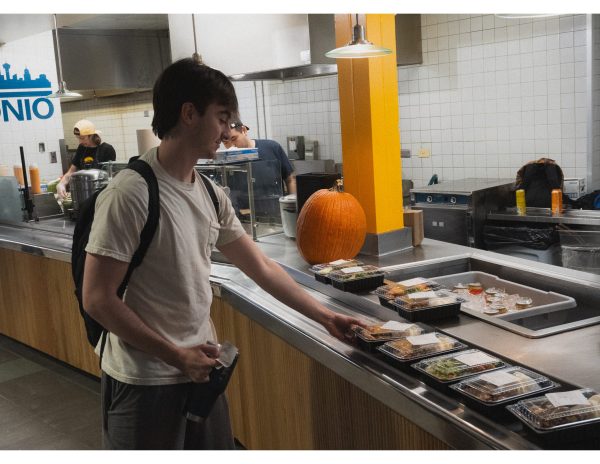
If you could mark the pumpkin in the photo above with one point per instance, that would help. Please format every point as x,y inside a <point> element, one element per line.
<point>332,225</point>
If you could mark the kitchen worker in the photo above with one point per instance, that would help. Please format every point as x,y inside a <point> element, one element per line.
<point>267,150</point>
<point>158,345</point>
<point>91,151</point>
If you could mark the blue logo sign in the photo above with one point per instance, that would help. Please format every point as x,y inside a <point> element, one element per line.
<point>23,98</point>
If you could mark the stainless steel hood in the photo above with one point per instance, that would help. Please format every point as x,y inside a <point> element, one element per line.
<point>321,29</point>
<point>106,62</point>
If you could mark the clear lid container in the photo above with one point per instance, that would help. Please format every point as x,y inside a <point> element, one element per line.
<point>419,346</point>
<point>428,299</point>
<point>458,365</point>
<point>504,384</point>
<point>326,268</point>
<point>394,289</point>
<point>389,330</point>
<point>355,273</point>
<point>561,409</point>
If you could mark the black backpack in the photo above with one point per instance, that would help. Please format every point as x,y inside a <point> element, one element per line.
<point>81,235</point>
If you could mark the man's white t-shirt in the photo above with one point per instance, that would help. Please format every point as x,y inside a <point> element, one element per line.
<point>170,291</point>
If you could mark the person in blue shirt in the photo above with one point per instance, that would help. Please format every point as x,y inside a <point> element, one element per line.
<point>267,150</point>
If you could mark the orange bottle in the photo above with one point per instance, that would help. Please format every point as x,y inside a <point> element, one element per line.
<point>34,179</point>
<point>557,204</point>
<point>18,171</point>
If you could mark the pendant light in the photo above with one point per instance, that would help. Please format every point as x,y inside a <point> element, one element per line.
<point>195,56</point>
<point>359,46</point>
<point>63,92</point>
<point>523,15</point>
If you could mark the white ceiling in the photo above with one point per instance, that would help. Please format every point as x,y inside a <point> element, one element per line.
<point>17,26</point>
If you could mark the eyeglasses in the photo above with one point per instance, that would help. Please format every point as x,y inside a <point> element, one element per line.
<point>237,125</point>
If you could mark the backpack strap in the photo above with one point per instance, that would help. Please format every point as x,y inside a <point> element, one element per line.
<point>211,191</point>
<point>147,234</point>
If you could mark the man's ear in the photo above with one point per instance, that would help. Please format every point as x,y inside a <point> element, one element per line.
<point>188,110</point>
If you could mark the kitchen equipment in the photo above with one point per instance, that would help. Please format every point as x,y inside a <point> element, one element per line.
<point>295,147</point>
<point>455,211</point>
<point>84,183</point>
<point>574,187</point>
<point>289,214</point>
<point>309,183</point>
<point>11,204</point>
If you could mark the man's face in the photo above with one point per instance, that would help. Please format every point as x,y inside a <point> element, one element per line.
<point>85,140</point>
<point>211,128</point>
<point>238,138</point>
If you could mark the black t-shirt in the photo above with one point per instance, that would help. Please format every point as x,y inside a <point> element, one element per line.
<point>89,157</point>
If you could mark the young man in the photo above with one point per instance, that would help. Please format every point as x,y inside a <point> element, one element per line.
<point>91,151</point>
<point>268,150</point>
<point>159,334</point>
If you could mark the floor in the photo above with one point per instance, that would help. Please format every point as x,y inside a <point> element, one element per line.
<point>45,404</point>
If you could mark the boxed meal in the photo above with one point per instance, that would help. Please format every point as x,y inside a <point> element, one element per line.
<point>391,290</point>
<point>322,271</point>
<point>489,393</point>
<point>562,416</point>
<point>405,350</point>
<point>441,370</point>
<point>357,278</point>
<point>427,306</point>
<point>372,336</point>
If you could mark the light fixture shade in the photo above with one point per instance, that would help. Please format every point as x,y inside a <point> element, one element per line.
<point>523,15</point>
<point>358,47</point>
<point>358,51</point>
<point>64,93</point>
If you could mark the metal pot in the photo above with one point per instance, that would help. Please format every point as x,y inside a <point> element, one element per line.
<point>84,183</point>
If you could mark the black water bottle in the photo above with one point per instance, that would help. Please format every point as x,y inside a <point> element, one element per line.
<point>202,396</point>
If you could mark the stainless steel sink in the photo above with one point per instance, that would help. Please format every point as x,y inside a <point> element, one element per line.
<point>586,294</point>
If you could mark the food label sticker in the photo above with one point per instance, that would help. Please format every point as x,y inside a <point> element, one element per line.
<point>339,261</point>
<point>422,295</point>
<point>413,282</point>
<point>569,398</point>
<point>426,339</point>
<point>499,378</point>
<point>395,325</point>
<point>475,359</point>
<point>352,270</point>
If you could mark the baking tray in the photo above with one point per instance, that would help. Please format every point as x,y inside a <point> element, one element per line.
<point>543,302</point>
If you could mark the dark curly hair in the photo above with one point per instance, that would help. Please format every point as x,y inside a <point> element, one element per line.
<point>184,81</point>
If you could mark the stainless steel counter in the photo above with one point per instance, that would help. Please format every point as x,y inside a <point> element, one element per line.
<point>570,357</point>
<point>544,215</point>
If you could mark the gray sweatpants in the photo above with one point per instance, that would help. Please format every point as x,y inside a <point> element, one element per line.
<point>152,417</point>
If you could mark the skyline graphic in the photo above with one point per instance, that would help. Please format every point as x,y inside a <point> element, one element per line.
<point>14,86</point>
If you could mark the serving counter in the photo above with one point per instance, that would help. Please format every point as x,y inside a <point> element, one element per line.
<point>296,387</point>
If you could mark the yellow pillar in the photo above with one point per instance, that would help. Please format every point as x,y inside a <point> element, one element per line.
<point>368,90</point>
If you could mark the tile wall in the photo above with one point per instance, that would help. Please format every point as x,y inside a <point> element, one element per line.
<point>594,151</point>
<point>117,117</point>
<point>35,53</point>
<point>492,94</point>
<point>308,107</point>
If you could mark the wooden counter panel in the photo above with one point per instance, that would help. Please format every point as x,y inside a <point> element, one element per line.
<point>40,310</point>
<point>282,399</point>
